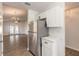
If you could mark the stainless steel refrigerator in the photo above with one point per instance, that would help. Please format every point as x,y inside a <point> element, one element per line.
<point>1,37</point>
<point>1,44</point>
<point>37,29</point>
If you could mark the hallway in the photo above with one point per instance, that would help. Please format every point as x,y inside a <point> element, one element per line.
<point>15,45</point>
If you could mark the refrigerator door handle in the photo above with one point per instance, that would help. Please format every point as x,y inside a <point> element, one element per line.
<point>1,41</point>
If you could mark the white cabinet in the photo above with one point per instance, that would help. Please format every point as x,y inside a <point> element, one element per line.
<point>55,16</point>
<point>52,46</point>
<point>48,47</point>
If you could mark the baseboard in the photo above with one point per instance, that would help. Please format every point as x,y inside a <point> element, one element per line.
<point>31,53</point>
<point>28,49</point>
<point>72,48</point>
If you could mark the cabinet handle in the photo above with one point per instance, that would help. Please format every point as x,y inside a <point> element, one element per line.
<point>46,42</point>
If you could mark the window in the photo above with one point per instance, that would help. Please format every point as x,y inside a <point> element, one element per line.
<point>14,29</point>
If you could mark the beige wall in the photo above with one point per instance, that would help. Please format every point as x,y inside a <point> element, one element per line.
<point>72,28</point>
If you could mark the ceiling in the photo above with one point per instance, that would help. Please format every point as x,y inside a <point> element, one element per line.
<point>37,6</point>
<point>12,12</point>
<point>70,5</point>
<point>40,6</point>
<point>20,8</point>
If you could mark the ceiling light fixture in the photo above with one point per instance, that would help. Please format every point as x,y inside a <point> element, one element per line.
<point>27,3</point>
<point>15,18</point>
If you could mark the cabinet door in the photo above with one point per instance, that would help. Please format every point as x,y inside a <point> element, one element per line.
<point>47,48</point>
<point>51,17</point>
<point>55,16</point>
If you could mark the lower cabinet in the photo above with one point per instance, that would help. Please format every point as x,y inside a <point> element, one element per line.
<point>48,48</point>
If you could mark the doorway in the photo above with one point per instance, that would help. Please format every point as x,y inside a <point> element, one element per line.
<point>72,28</point>
<point>14,31</point>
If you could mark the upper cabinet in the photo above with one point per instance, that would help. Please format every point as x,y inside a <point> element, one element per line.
<point>55,17</point>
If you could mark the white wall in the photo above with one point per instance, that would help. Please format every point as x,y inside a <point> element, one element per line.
<point>72,28</point>
<point>57,32</point>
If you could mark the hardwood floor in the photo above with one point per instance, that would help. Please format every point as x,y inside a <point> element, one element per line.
<point>71,52</point>
<point>18,52</point>
<point>1,53</point>
<point>15,45</point>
